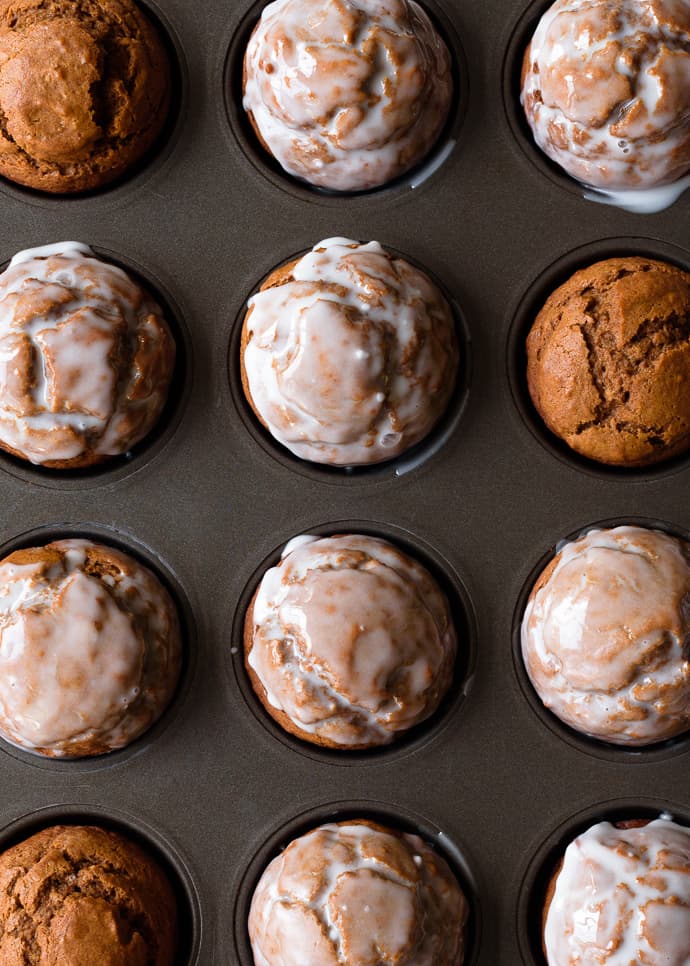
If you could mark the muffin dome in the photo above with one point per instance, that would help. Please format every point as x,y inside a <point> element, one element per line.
<point>84,91</point>
<point>350,96</point>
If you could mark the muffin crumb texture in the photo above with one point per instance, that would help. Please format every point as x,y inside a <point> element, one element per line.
<point>84,896</point>
<point>355,894</point>
<point>608,361</point>
<point>84,91</point>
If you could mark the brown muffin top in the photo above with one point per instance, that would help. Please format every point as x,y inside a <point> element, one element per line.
<point>608,361</point>
<point>76,895</point>
<point>84,91</point>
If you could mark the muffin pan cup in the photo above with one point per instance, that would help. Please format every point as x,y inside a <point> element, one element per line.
<point>211,504</point>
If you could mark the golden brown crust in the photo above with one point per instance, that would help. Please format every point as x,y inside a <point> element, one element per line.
<point>84,91</point>
<point>82,894</point>
<point>608,361</point>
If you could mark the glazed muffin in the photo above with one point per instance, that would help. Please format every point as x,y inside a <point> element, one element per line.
<point>86,358</point>
<point>606,91</point>
<point>75,895</point>
<point>84,91</point>
<point>349,355</point>
<point>608,362</point>
<point>621,895</point>
<point>90,649</point>
<point>355,893</point>
<point>605,635</point>
<point>349,98</point>
<point>349,642</point>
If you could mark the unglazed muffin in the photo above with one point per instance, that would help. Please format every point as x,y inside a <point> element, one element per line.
<point>605,635</point>
<point>606,90</point>
<point>90,649</point>
<point>347,96</point>
<point>86,358</point>
<point>84,91</point>
<point>354,894</point>
<point>621,896</point>
<point>348,354</point>
<point>608,361</point>
<point>348,641</point>
<point>75,895</point>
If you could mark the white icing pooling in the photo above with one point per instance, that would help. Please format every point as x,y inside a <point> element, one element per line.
<point>354,360</point>
<point>342,894</point>
<point>604,638</point>
<point>66,321</point>
<point>83,658</point>
<point>352,640</point>
<point>622,897</point>
<point>609,100</point>
<point>350,94</point>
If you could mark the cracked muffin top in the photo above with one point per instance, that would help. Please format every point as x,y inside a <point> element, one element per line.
<point>350,94</point>
<point>608,361</point>
<point>349,642</point>
<point>354,894</point>
<point>90,649</point>
<point>84,91</point>
<point>606,632</point>
<point>80,894</point>
<point>349,354</point>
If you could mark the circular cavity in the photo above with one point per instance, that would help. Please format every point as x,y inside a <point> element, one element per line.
<point>144,838</point>
<point>264,398</point>
<point>418,734</point>
<point>536,883</point>
<point>523,318</point>
<point>656,57</point>
<point>613,747</point>
<point>86,587</point>
<point>76,287</point>
<point>396,820</point>
<point>438,148</point>
<point>90,97</point>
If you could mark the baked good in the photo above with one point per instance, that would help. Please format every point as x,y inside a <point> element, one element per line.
<point>608,361</point>
<point>349,641</point>
<point>353,894</point>
<point>606,90</point>
<point>86,358</point>
<point>605,635</point>
<point>84,91</point>
<point>351,98</point>
<point>75,895</point>
<point>90,649</point>
<point>621,896</point>
<point>349,354</point>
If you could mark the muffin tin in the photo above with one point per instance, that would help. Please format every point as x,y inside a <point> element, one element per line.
<point>214,788</point>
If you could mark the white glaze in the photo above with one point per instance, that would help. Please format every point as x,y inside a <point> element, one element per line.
<point>350,94</point>
<point>615,132</point>
<point>342,894</point>
<point>63,313</point>
<point>78,652</point>
<point>352,639</point>
<point>603,638</point>
<point>622,897</point>
<point>354,360</point>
